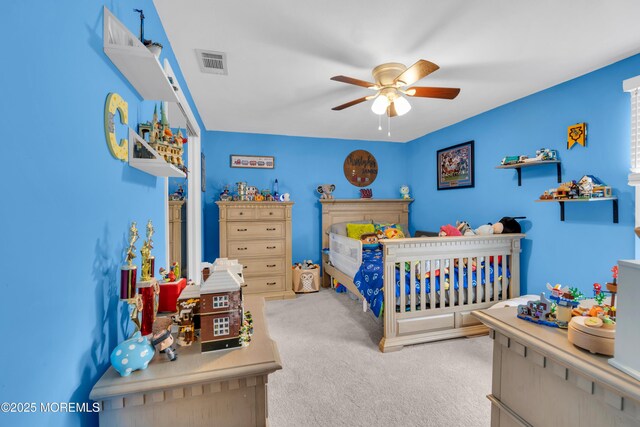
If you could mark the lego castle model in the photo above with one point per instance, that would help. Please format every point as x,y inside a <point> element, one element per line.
<point>160,137</point>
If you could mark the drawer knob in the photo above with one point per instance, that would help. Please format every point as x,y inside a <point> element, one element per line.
<point>270,213</point>
<point>271,247</point>
<point>242,249</point>
<point>271,265</point>
<point>241,213</point>
<point>271,283</point>
<point>271,229</point>
<point>242,229</point>
<point>244,266</point>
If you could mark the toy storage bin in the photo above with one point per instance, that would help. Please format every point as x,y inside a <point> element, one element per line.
<point>306,280</point>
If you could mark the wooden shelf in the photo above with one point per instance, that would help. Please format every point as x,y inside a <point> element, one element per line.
<point>613,200</point>
<point>157,165</point>
<point>139,66</point>
<point>519,166</point>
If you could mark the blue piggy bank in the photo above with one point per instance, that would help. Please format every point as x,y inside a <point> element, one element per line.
<point>132,354</point>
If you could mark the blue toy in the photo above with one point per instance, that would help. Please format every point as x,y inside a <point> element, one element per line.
<point>132,354</point>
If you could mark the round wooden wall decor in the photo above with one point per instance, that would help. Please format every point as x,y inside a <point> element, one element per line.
<point>360,168</point>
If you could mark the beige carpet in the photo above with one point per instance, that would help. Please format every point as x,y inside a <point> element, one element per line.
<point>334,375</point>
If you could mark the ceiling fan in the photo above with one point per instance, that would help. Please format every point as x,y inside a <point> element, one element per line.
<point>390,80</point>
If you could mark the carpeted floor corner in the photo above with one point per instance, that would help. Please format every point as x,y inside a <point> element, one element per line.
<point>334,375</point>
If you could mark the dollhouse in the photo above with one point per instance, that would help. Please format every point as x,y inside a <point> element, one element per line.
<point>221,310</point>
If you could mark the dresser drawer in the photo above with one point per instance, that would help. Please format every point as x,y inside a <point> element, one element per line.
<point>270,213</point>
<point>264,284</point>
<point>262,266</point>
<point>249,230</point>
<point>240,213</point>
<point>257,248</point>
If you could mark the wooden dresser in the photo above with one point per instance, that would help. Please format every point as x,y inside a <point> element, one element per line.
<point>258,235</point>
<point>541,379</point>
<point>178,234</point>
<point>220,388</point>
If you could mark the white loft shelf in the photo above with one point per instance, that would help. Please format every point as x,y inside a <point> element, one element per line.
<point>156,166</point>
<point>135,61</point>
<point>180,114</point>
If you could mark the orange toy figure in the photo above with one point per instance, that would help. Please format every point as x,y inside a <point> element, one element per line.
<point>595,310</point>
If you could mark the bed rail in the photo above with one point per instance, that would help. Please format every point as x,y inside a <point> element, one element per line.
<point>419,314</point>
<point>345,253</point>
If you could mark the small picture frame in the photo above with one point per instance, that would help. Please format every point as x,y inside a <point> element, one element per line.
<point>252,162</point>
<point>455,166</point>
<point>203,172</point>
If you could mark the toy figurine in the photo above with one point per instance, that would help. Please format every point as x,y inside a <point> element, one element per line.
<point>162,338</point>
<point>148,261</point>
<point>404,191</point>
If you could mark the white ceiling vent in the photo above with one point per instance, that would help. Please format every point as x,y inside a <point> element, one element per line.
<point>212,62</point>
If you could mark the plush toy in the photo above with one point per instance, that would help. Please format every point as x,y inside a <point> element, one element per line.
<point>484,230</point>
<point>325,190</point>
<point>488,229</point>
<point>449,230</point>
<point>370,241</point>
<point>465,228</point>
<point>404,191</point>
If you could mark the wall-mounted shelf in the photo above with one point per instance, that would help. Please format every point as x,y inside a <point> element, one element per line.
<point>518,167</point>
<point>614,201</point>
<point>140,67</point>
<point>151,162</point>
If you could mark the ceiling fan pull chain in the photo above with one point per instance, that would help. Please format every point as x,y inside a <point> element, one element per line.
<point>388,126</point>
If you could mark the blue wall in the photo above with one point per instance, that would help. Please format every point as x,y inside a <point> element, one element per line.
<point>68,203</point>
<point>301,164</point>
<point>582,249</point>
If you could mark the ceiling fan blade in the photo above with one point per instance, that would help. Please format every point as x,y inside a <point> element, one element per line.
<point>433,92</point>
<point>391,110</point>
<point>352,81</point>
<point>350,103</point>
<point>416,72</point>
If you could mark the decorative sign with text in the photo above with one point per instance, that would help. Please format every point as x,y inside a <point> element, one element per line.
<point>360,168</point>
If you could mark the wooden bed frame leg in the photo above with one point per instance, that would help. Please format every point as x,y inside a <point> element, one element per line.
<point>388,349</point>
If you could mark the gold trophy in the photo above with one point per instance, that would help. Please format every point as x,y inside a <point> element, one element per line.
<point>128,275</point>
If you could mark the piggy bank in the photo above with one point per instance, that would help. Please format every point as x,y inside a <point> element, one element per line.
<point>132,354</point>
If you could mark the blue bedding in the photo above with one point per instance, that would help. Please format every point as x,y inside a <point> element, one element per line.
<point>369,280</point>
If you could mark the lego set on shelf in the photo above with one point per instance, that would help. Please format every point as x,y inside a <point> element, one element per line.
<point>249,193</point>
<point>588,187</point>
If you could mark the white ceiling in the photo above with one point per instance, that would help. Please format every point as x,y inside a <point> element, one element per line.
<point>281,54</point>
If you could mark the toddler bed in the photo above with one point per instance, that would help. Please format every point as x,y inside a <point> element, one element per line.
<point>424,288</point>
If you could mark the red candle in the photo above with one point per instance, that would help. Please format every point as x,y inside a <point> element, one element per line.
<point>128,275</point>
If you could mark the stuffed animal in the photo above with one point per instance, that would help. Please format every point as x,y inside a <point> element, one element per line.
<point>370,241</point>
<point>404,191</point>
<point>488,229</point>
<point>449,230</point>
<point>465,228</point>
<point>325,190</point>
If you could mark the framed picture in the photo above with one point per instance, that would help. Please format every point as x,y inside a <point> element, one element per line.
<point>254,162</point>
<point>203,173</point>
<point>455,166</point>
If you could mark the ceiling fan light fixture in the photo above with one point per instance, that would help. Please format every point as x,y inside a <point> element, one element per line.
<point>380,105</point>
<point>402,105</point>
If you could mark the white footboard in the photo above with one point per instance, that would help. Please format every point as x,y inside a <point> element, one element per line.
<point>345,254</point>
<point>418,315</point>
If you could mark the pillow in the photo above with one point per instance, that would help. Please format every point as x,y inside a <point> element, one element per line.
<point>389,231</point>
<point>355,230</point>
<point>341,227</point>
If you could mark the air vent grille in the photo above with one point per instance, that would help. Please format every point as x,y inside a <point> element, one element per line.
<point>212,62</point>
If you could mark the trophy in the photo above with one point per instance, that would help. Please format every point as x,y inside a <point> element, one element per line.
<point>148,286</point>
<point>128,274</point>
